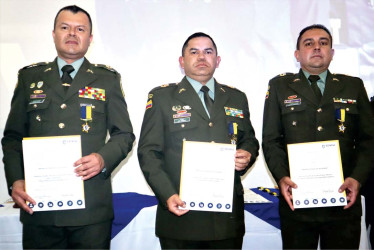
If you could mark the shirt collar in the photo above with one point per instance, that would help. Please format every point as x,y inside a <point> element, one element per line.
<point>322,76</point>
<point>76,64</point>
<point>197,85</point>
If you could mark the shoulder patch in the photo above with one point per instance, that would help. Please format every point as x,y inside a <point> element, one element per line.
<point>107,67</point>
<point>35,65</point>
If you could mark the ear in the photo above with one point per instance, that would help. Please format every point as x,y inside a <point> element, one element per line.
<point>53,35</point>
<point>181,62</point>
<point>218,61</point>
<point>296,54</point>
<point>332,53</point>
<point>91,37</point>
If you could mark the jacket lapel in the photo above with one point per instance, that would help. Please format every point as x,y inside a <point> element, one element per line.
<point>85,76</point>
<point>220,99</point>
<point>333,86</point>
<point>302,87</point>
<point>51,79</point>
<point>187,94</point>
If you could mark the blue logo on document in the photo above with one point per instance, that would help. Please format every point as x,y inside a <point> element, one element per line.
<point>315,201</point>
<point>31,205</point>
<point>60,203</point>
<point>306,202</point>
<point>219,206</point>
<point>333,200</point>
<point>50,204</point>
<point>324,201</point>
<point>342,199</point>
<point>297,202</point>
<point>70,203</point>
<point>40,204</point>
<point>228,206</point>
<point>201,204</point>
<point>192,204</point>
<point>210,205</point>
<point>79,202</point>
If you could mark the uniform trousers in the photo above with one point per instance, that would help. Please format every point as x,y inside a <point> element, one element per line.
<point>95,236</point>
<point>234,243</point>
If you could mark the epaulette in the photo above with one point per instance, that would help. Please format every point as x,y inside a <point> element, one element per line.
<point>283,75</point>
<point>35,65</point>
<point>107,67</point>
<point>229,86</point>
<point>165,86</point>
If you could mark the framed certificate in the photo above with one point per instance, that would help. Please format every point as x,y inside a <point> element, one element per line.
<point>316,168</point>
<point>207,176</point>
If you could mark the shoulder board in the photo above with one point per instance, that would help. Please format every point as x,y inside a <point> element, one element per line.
<point>165,86</point>
<point>35,65</point>
<point>283,75</point>
<point>230,87</point>
<point>107,67</point>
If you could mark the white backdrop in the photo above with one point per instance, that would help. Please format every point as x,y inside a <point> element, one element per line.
<point>143,39</point>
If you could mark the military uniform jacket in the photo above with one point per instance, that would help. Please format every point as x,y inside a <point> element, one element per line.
<point>293,115</point>
<point>160,155</point>
<point>40,107</point>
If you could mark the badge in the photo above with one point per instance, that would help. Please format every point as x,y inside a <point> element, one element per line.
<point>234,112</point>
<point>39,84</point>
<point>181,90</point>
<point>292,102</point>
<point>38,96</point>
<point>186,107</point>
<point>233,132</point>
<point>149,105</point>
<point>176,108</point>
<point>181,120</point>
<point>340,116</point>
<point>85,127</point>
<point>92,93</point>
<point>182,115</point>
<point>38,91</point>
<point>150,96</point>
<point>32,85</point>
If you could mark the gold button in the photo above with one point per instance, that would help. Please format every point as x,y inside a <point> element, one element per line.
<point>182,125</point>
<point>320,128</point>
<point>347,109</point>
<point>319,110</point>
<point>292,108</point>
<point>294,123</point>
<point>35,105</point>
<point>61,125</point>
<point>184,139</point>
<point>213,142</point>
<point>63,106</point>
<point>210,124</point>
<point>38,118</point>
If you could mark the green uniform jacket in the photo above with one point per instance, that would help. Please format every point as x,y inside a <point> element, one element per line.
<point>303,119</point>
<point>160,155</point>
<point>54,113</point>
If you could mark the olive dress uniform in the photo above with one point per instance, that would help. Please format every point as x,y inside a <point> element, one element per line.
<point>292,114</point>
<point>160,155</point>
<point>40,107</point>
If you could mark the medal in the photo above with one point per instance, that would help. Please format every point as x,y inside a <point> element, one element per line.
<point>340,116</point>
<point>86,115</point>
<point>233,132</point>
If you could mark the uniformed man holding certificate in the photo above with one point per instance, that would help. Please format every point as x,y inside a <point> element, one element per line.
<point>316,105</point>
<point>196,109</point>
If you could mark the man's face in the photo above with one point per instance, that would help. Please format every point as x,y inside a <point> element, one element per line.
<point>72,35</point>
<point>315,52</point>
<point>200,59</point>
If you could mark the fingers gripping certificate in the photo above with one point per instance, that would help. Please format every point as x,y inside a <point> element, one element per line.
<point>207,176</point>
<point>317,170</point>
<point>49,172</point>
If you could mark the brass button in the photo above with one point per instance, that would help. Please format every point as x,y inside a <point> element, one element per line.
<point>35,105</point>
<point>63,106</point>
<point>319,110</point>
<point>292,108</point>
<point>184,139</point>
<point>319,128</point>
<point>182,125</point>
<point>38,118</point>
<point>211,124</point>
<point>347,109</point>
<point>61,125</point>
<point>213,142</point>
<point>294,123</point>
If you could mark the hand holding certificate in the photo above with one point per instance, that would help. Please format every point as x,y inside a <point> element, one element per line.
<point>49,173</point>
<point>207,176</point>
<point>316,168</point>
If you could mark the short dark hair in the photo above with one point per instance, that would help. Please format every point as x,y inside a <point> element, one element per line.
<point>311,27</point>
<point>75,9</point>
<point>198,34</point>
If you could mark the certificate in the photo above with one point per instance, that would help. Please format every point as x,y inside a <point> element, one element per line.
<point>316,168</point>
<point>207,176</point>
<point>49,172</point>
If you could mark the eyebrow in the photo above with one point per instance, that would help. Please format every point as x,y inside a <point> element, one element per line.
<point>207,49</point>
<point>310,39</point>
<point>80,25</point>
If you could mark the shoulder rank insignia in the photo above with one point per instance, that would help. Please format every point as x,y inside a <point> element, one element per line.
<point>35,65</point>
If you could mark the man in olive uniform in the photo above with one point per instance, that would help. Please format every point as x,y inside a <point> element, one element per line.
<point>178,112</point>
<point>329,107</point>
<point>46,105</point>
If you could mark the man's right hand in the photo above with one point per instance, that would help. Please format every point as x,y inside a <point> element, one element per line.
<point>20,197</point>
<point>173,203</point>
<point>285,186</point>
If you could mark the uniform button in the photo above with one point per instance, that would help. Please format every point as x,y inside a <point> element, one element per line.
<point>61,125</point>
<point>35,105</point>
<point>182,125</point>
<point>319,110</point>
<point>320,128</point>
<point>294,123</point>
<point>210,124</point>
<point>63,106</point>
<point>184,139</point>
<point>292,108</point>
<point>347,109</point>
<point>213,142</point>
<point>38,118</point>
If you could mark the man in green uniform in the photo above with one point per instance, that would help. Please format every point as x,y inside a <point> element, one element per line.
<point>328,107</point>
<point>183,111</point>
<point>52,99</point>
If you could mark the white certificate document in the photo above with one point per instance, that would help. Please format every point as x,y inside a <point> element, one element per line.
<point>316,168</point>
<point>49,172</point>
<point>207,176</point>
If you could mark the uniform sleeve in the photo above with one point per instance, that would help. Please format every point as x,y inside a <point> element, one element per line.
<point>365,142</point>
<point>151,151</point>
<point>15,130</point>
<point>119,128</point>
<point>273,143</point>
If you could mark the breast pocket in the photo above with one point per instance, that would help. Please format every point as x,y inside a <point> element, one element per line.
<point>37,111</point>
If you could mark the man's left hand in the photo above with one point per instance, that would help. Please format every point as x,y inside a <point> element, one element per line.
<point>351,187</point>
<point>89,166</point>
<point>242,159</point>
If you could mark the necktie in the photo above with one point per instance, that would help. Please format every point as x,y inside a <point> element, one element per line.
<point>313,79</point>
<point>66,78</point>
<point>207,99</point>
